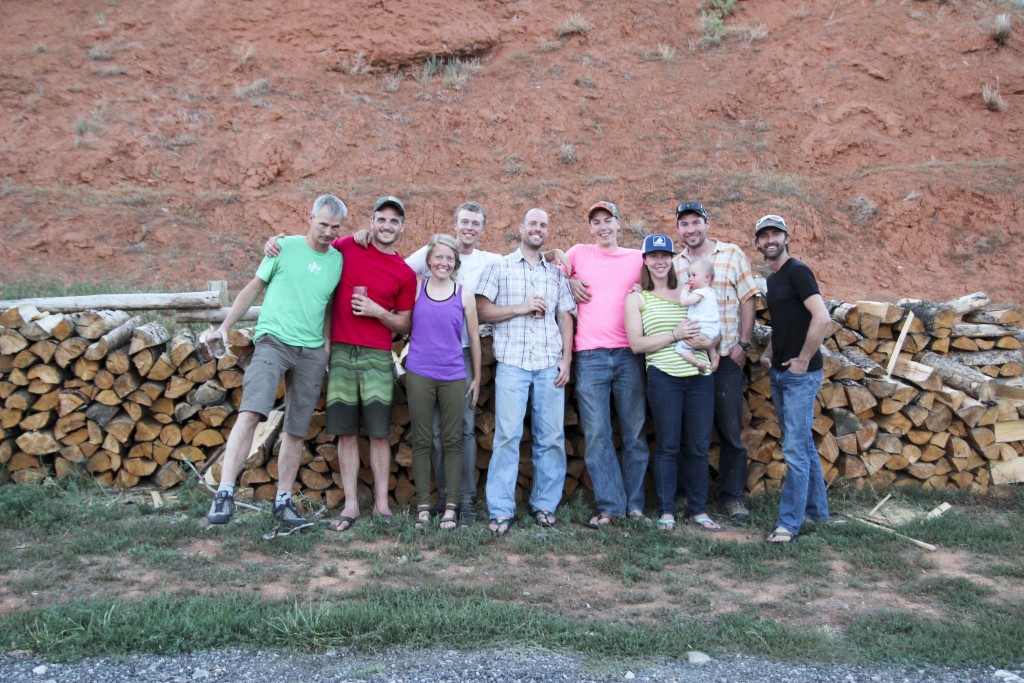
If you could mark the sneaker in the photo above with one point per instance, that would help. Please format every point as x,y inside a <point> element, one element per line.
<point>467,512</point>
<point>222,509</point>
<point>287,513</point>
<point>737,511</point>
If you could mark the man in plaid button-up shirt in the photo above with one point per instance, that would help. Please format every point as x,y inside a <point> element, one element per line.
<point>734,288</point>
<point>530,304</point>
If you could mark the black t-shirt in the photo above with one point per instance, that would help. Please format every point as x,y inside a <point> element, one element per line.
<point>787,291</point>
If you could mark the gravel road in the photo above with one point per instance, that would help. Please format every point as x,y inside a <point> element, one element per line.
<point>492,666</point>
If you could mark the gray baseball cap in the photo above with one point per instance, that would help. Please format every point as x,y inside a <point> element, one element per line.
<point>393,202</point>
<point>770,221</point>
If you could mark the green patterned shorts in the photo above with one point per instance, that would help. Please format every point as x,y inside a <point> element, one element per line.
<point>360,382</point>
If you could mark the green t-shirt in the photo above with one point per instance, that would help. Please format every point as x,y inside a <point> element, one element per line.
<point>300,283</point>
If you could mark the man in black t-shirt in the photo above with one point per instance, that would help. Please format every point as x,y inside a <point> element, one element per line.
<point>793,358</point>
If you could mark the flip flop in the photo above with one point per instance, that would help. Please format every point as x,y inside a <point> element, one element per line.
<point>781,537</point>
<point>343,519</point>
<point>638,516</point>
<point>599,521</point>
<point>706,523</point>
<point>499,526</point>
<point>545,518</point>
<point>666,524</point>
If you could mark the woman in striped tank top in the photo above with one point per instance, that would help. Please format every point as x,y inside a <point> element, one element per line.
<point>681,398</point>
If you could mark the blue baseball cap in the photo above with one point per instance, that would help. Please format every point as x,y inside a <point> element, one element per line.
<point>657,242</point>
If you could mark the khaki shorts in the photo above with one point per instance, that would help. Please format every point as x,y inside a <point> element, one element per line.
<point>303,371</point>
<point>360,383</point>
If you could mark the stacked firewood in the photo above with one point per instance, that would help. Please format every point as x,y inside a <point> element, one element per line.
<point>906,399</point>
<point>103,391</point>
<point>909,397</point>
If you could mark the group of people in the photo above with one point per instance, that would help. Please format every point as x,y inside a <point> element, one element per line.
<point>630,321</point>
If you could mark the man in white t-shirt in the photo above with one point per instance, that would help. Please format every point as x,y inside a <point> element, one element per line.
<point>600,276</point>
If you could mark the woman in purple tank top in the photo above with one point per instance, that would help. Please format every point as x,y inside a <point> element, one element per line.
<point>437,374</point>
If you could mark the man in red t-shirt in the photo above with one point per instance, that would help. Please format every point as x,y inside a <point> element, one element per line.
<point>373,302</point>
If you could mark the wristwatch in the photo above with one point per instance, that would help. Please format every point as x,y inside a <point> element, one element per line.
<point>744,345</point>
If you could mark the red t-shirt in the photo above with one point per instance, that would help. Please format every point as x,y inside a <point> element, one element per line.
<point>389,282</point>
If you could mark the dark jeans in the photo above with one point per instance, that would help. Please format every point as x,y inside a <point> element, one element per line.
<point>732,454</point>
<point>683,412</point>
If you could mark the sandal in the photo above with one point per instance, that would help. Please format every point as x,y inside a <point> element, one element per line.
<point>545,518</point>
<point>666,523</point>
<point>600,521</point>
<point>706,523</point>
<point>639,516</point>
<point>343,523</point>
<point>499,526</point>
<point>422,516</point>
<point>781,536</point>
<point>449,521</point>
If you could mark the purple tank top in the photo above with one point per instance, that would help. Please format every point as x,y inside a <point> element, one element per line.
<point>435,345</point>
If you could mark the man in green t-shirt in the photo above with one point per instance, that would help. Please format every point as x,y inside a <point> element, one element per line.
<point>293,341</point>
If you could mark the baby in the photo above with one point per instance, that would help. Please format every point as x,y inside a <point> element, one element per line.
<point>698,296</point>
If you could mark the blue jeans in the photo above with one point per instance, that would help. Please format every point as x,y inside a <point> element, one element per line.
<point>803,492</point>
<point>513,387</point>
<point>467,488</point>
<point>683,409</point>
<point>601,375</point>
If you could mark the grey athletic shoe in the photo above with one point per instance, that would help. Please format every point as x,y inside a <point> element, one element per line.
<point>738,512</point>
<point>467,512</point>
<point>287,513</point>
<point>222,509</point>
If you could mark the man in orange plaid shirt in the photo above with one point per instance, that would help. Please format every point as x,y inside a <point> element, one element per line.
<point>734,288</point>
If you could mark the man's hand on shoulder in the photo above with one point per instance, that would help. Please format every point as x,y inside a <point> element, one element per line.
<point>271,248</point>
<point>362,238</point>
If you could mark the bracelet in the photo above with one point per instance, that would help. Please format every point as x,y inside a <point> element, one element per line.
<point>673,333</point>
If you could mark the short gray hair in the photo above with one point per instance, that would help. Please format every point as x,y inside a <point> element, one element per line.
<point>332,204</point>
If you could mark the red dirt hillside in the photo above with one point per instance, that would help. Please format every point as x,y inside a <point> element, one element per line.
<point>161,142</point>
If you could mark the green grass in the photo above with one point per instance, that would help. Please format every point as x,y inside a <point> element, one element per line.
<point>667,593</point>
<point>375,619</point>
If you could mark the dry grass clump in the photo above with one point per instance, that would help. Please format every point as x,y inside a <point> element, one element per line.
<point>260,86</point>
<point>101,53</point>
<point>993,98</point>
<point>861,210</point>
<point>246,53</point>
<point>457,72</point>
<point>573,25</point>
<point>1000,29</point>
<point>356,65</point>
<point>567,154</point>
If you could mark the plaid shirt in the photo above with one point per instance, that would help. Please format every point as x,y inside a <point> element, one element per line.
<point>524,341</point>
<point>733,284</point>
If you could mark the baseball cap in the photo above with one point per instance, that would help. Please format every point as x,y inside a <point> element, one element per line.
<point>770,221</point>
<point>607,206</point>
<point>657,242</point>
<point>692,207</point>
<point>393,202</point>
